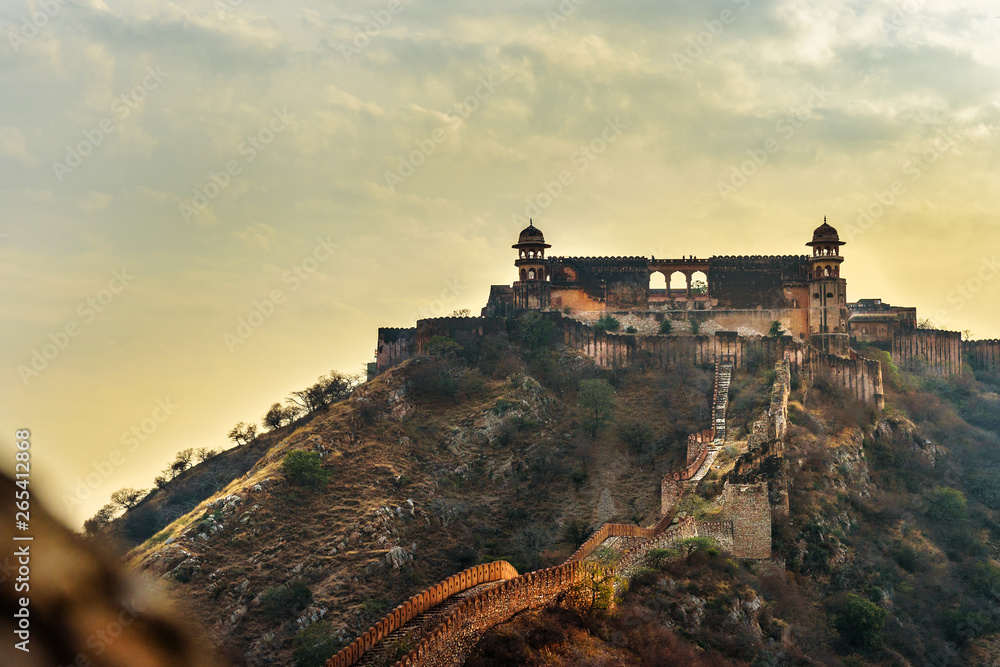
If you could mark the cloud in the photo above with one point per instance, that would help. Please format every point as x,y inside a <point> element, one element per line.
<point>14,145</point>
<point>96,201</point>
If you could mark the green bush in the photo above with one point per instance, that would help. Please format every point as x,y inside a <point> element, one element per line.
<point>631,330</point>
<point>607,323</point>
<point>305,469</point>
<point>666,327</point>
<point>315,645</point>
<point>280,602</point>
<point>860,622</point>
<point>946,504</point>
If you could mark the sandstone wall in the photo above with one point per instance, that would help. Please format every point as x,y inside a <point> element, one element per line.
<point>394,347</point>
<point>983,355</point>
<point>748,507</point>
<point>941,350</point>
<point>420,603</point>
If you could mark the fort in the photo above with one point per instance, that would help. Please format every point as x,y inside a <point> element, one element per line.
<point>753,308</point>
<point>734,312</point>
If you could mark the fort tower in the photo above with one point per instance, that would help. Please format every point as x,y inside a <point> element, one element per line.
<point>827,293</point>
<point>531,290</point>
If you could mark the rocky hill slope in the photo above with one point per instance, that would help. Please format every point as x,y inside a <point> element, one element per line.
<point>884,558</point>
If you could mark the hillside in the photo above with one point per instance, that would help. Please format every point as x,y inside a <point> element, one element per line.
<point>484,454</point>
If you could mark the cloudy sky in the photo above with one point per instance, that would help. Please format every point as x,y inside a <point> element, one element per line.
<point>319,169</point>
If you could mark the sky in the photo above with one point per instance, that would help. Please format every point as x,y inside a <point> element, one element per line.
<point>204,205</point>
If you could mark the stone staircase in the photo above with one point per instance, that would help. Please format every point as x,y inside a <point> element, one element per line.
<point>723,378</point>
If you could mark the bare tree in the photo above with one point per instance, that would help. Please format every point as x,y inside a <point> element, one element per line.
<point>328,389</point>
<point>127,498</point>
<point>243,433</point>
<point>204,453</point>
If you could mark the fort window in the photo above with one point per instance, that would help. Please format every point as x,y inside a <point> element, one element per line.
<point>678,281</point>
<point>699,282</point>
<point>524,274</point>
<point>657,280</point>
<point>531,274</point>
<point>816,295</point>
<point>829,295</point>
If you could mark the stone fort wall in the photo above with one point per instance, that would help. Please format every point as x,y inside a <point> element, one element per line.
<point>983,355</point>
<point>940,350</point>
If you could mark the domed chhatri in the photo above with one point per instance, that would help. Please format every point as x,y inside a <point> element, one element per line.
<point>826,234</point>
<point>531,235</point>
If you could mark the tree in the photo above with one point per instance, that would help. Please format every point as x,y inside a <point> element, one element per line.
<point>204,453</point>
<point>443,347</point>
<point>946,504</point>
<point>607,323</point>
<point>305,469</point>
<point>99,521</point>
<point>699,287</point>
<point>328,388</point>
<point>278,415</point>
<point>182,461</point>
<point>243,433</point>
<point>127,498</point>
<point>596,588</point>
<point>925,323</point>
<point>638,435</point>
<point>695,327</point>
<point>537,332</point>
<point>461,312</point>
<point>775,329</point>
<point>666,327</point>
<point>161,481</point>
<point>860,622</point>
<point>597,398</point>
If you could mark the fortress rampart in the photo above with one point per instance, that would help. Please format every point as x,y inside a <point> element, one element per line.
<point>940,350</point>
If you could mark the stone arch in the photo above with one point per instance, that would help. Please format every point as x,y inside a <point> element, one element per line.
<point>531,274</point>
<point>702,278</point>
<point>658,280</point>
<point>677,280</point>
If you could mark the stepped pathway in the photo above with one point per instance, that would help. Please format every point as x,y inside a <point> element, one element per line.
<point>612,549</point>
<point>723,378</point>
<point>397,644</point>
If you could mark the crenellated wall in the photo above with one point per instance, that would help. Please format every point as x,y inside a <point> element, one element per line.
<point>394,347</point>
<point>418,604</point>
<point>940,350</point>
<point>983,355</point>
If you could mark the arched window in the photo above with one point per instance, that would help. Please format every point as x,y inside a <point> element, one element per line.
<point>678,281</point>
<point>531,274</point>
<point>524,274</point>
<point>657,280</point>
<point>699,283</point>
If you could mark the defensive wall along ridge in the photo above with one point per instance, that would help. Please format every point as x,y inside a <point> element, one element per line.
<point>862,377</point>
<point>746,533</point>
